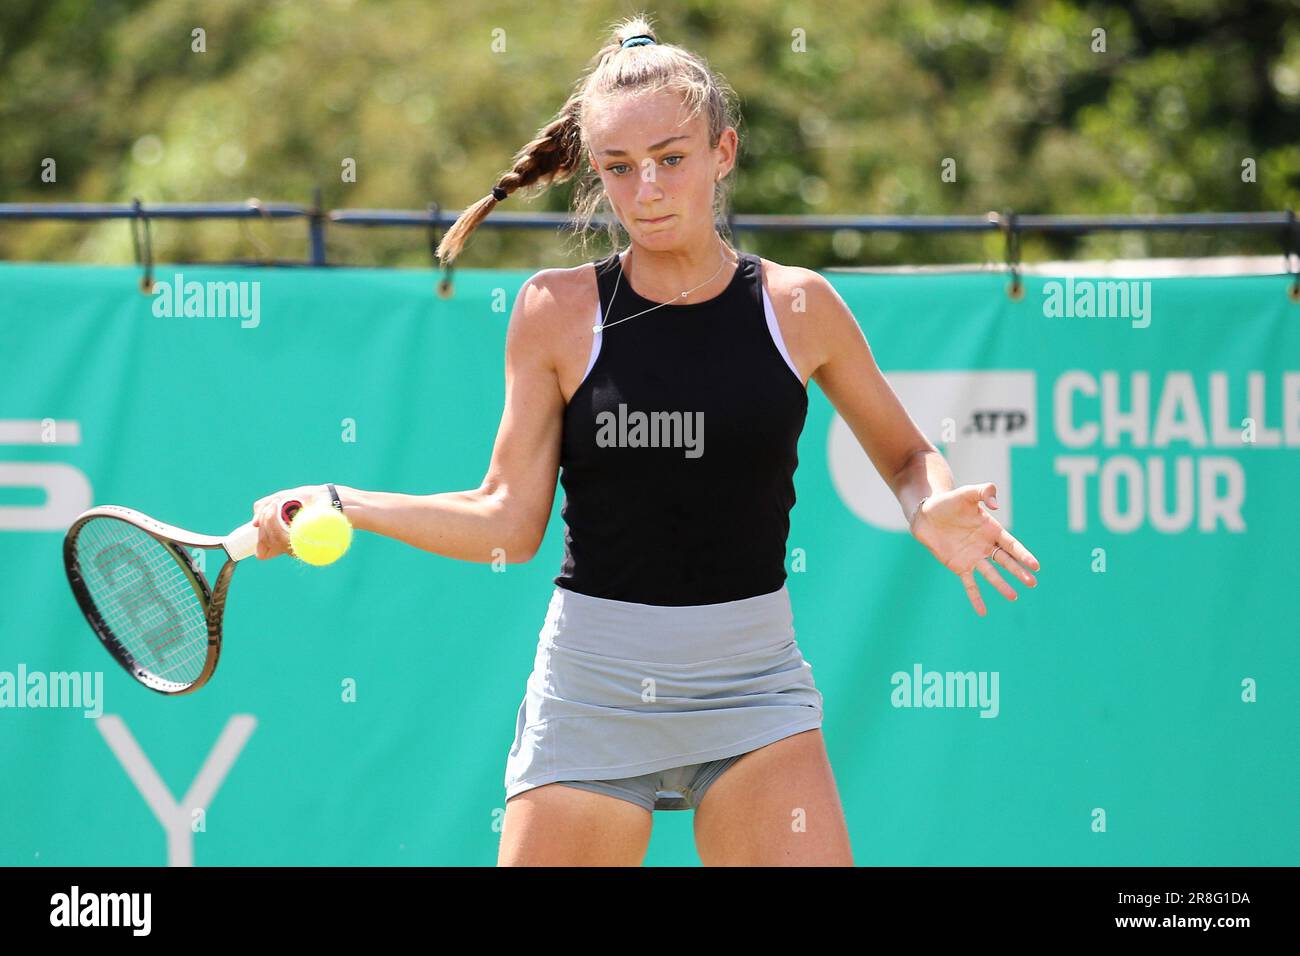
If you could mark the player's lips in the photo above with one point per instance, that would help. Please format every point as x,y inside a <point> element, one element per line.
<point>651,222</point>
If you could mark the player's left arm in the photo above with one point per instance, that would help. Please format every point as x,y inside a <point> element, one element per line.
<point>847,373</point>
<point>953,523</point>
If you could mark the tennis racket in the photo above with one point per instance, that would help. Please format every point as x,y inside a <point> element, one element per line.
<point>147,599</point>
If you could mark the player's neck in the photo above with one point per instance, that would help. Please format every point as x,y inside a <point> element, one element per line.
<point>662,276</point>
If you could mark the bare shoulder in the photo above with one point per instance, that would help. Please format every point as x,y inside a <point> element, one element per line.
<point>808,309</point>
<point>549,300</point>
<point>779,276</point>
<point>560,305</point>
<point>797,283</point>
<point>560,291</point>
<point>545,294</point>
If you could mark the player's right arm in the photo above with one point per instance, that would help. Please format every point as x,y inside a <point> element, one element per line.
<point>522,473</point>
<point>506,516</point>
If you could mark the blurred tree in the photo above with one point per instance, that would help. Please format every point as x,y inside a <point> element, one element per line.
<point>849,107</point>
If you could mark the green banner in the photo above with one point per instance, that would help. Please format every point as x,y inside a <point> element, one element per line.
<point>1137,708</point>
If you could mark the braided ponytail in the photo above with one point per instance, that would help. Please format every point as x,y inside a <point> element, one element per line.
<point>550,158</point>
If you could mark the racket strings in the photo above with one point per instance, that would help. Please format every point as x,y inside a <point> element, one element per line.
<point>145,597</point>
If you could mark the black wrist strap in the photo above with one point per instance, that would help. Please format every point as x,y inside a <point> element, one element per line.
<point>334,497</point>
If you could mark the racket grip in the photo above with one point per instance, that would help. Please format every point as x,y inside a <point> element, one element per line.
<point>242,542</point>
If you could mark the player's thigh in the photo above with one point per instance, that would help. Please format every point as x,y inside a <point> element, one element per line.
<point>775,806</point>
<point>557,825</point>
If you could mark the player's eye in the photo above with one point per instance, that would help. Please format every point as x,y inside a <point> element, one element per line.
<point>615,169</point>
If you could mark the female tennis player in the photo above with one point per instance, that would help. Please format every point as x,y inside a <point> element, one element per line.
<point>668,383</point>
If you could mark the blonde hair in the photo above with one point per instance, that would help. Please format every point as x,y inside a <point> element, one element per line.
<point>559,150</point>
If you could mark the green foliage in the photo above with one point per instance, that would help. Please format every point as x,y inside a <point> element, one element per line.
<point>1035,118</point>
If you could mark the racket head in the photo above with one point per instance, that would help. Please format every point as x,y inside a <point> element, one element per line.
<point>148,604</point>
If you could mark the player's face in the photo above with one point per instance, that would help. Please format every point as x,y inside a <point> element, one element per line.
<point>657,167</point>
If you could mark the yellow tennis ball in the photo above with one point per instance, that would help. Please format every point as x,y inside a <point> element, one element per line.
<point>319,533</point>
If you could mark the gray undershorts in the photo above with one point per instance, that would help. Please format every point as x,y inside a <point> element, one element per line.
<point>681,788</point>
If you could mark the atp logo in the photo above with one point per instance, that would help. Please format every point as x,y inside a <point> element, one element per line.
<point>973,418</point>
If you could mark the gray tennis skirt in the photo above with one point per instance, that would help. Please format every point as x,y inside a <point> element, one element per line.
<point>619,690</point>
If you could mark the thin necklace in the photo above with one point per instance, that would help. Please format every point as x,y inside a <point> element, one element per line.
<point>597,328</point>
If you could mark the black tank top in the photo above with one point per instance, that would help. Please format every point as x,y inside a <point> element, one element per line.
<point>680,447</point>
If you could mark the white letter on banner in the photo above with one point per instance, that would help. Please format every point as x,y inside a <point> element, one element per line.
<point>175,817</point>
<point>67,489</point>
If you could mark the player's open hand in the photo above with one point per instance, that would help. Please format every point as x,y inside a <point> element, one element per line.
<point>958,530</point>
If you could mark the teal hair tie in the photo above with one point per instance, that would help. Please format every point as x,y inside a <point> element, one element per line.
<point>637,41</point>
